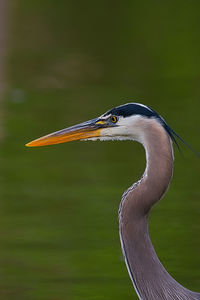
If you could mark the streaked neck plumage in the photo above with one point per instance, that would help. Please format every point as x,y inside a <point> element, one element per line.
<point>149,277</point>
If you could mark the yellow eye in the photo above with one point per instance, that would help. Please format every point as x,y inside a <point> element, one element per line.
<point>113,119</point>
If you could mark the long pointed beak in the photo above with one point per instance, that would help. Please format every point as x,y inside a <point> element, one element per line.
<point>89,129</point>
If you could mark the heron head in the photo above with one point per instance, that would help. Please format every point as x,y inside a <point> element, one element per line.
<point>120,123</point>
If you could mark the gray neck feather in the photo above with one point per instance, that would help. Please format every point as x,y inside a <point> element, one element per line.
<point>149,277</point>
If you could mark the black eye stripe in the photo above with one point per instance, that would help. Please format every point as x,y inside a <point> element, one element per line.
<point>130,109</point>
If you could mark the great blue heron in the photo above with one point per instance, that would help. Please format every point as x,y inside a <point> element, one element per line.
<point>134,121</point>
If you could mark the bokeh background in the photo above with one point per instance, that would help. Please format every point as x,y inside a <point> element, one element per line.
<point>66,62</point>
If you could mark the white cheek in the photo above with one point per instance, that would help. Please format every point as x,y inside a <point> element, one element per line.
<point>108,138</point>
<point>116,133</point>
<point>128,128</point>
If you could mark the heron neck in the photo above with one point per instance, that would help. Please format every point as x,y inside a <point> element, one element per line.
<point>149,277</point>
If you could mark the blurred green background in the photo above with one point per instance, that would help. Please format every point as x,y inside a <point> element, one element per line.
<point>69,61</point>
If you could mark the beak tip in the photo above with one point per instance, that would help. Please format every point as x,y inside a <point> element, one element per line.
<point>30,144</point>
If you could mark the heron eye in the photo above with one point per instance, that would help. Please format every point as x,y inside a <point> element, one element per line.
<point>113,119</point>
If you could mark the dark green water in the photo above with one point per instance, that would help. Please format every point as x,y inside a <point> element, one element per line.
<point>69,62</point>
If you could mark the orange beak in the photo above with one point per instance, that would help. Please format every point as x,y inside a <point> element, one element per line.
<point>86,130</point>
